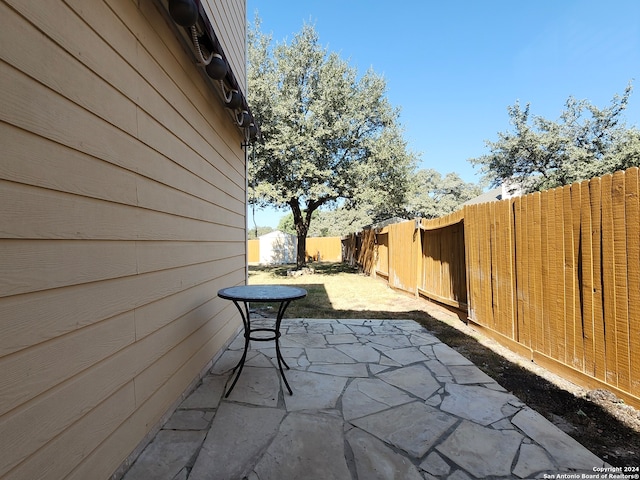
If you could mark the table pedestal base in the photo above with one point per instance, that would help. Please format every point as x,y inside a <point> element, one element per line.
<point>248,331</point>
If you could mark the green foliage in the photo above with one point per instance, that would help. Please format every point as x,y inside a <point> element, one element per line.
<point>287,224</point>
<point>540,154</point>
<point>433,196</point>
<point>256,232</point>
<point>329,136</point>
<point>330,223</point>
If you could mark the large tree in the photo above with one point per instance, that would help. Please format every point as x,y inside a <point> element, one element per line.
<point>330,223</point>
<point>433,195</point>
<point>586,142</point>
<point>329,136</point>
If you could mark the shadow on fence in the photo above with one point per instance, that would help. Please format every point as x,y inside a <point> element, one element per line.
<point>555,276</point>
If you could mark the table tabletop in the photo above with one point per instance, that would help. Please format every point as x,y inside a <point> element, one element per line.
<point>262,293</point>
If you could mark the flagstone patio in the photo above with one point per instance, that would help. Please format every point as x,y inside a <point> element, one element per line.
<point>372,399</point>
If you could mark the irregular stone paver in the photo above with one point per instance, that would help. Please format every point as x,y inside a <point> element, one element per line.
<point>234,441</point>
<point>459,475</point>
<point>327,355</point>
<point>449,356</point>
<point>353,370</point>
<point>415,379</point>
<point>341,338</point>
<point>257,386</point>
<point>338,328</point>
<point>371,399</point>
<point>532,459</point>
<point>437,368</point>
<point>261,360</point>
<point>384,360</point>
<point>307,447</point>
<point>469,374</point>
<point>413,427</point>
<point>479,404</point>
<point>435,465</point>
<point>386,342</point>
<point>189,420</point>
<point>289,353</point>
<point>376,461</point>
<point>360,353</point>
<point>313,391</point>
<point>423,339</point>
<point>166,456</point>
<point>366,396</point>
<point>564,450</point>
<point>361,330</point>
<point>316,340</point>
<point>481,451</point>
<point>208,394</point>
<point>407,355</point>
<point>228,361</point>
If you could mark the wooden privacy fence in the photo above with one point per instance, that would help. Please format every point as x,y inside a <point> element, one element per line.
<point>553,275</point>
<point>324,249</point>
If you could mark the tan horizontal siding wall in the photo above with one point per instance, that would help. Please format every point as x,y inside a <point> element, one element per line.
<point>228,18</point>
<point>122,212</point>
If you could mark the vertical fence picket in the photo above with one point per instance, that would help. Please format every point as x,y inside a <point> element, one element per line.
<point>567,354</point>
<point>525,274</point>
<point>509,324</point>
<point>632,218</point>
<point>557,272</point>
<point>587,275</point>
<point>547,287</point>
<point>620,279</point>
<point>501,280</point>
<point>511,251</point>
<point>492,267</point>
<point>536,266</point>
<point>577,361</point>
<point>521,274</point>
<point>471,256</point>
<point>595,193</point>
<point>608,282</point>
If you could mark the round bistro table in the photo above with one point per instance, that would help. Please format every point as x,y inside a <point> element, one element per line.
<point>246,294</point>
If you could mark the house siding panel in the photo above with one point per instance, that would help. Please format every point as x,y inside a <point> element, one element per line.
<point>228,19</point>
<point>122,212</point>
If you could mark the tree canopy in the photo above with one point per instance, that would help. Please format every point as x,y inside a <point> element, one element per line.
<point>329,136</point>
<point>586,142</point>
<point>433,195</point>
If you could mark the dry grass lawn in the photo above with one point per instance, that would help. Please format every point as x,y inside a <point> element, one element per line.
<point>337,291</point>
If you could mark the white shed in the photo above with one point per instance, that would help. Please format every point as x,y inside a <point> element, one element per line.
<point>278,247</point>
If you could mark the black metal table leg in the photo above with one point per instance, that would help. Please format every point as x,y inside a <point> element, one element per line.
<point>283,307</point>
<point>246,322</point>
<point>264,294</point>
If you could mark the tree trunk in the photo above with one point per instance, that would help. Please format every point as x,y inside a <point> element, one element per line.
<point>301,257</point>
<point>302,220</point>
<point>302,227</point>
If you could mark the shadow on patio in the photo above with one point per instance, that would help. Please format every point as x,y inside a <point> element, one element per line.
<point>371,399</point>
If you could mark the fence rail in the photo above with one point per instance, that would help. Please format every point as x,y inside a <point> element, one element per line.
<point>553,275</point>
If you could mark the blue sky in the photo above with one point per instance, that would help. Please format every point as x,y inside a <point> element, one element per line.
<point>453,67</point>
